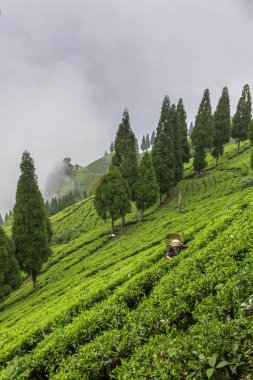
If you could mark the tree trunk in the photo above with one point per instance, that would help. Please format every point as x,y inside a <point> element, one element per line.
<point>112,225</point>
<point>238,146</point>
<point>123,221</point>
<point>34,279</point>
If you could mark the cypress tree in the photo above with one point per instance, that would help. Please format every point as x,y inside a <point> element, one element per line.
<point>143,143</point>
<point>111,147</point>
<point>163,150</point>
<point>190,129</point>
<point>112,197</point>
<point>136,146</point>
<point>199,162</point>
<point>182,131</point>
<point>125,157</point>
<point>9,269</point>
<point>147,142</point>
<point>222,124</point>
<point>203,132</point>
<point>152,140</point>
<point>250,132</point>
<point>146,187</point>
<point>251,160</point>
<point>1,220</point>
<point>177,144</point>
<point>242,117</point>
<point>30,223</point>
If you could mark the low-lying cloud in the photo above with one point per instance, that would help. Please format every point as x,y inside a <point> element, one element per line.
<point>68,70</point>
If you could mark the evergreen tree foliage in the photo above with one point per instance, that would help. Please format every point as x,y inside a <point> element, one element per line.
<point>177,144</point>
<point>182,131</point>
<point>242,117</point>
<point>125,157</point>
<point>143,143</point>
<point>112,197</point>
<point>250,132</point>
<point>152,140</point>
<point>136,146</point>
<point>30,222</point>
<point>147,142</point>
<point>203,131</point>
<point>251,160</point>
<point>1,220</point>
<point>163,150</point>
<point>222,124</point>
<point>111,147</point>
<point>58,204</point>
<point>190,129</point>
<point>199,162</point>
<point>9,269</point>
<point>146,187</point>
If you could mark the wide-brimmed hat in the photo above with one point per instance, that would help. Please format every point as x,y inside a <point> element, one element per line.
<point>176,243</point>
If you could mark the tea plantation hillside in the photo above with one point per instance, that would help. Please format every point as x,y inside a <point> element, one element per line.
<point>116,309</point>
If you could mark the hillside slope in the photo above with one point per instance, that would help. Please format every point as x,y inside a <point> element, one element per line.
<point>83,178</point>
<point>117,309</point>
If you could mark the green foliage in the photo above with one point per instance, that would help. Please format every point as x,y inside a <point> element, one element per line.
<point>115,308</point>
<point>112,196</point>
<point>31,230</point>
<point>125,157</point>
<point>242,117</point>
<point>163,150</point>
<point>146,188</point>
<point>152,139</point>
<point>190,129</point>
<point>222,123</point>
<point>182,130</point>
<point>9,270</point>
<point>250,132</point>
<point>143,143</point>
<point>178,146</point>
<point>199,161</point>
<point>246,182</point>
<point>203,132</point>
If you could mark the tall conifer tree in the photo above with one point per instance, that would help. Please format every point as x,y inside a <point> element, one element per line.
<point>31,227</point>
<point>146,187</point>
<point>190,129</point>
<point>182,130</point>
<point>147,142</point>
<point>222,124</point>
<point>242,117</point>
<point>177,144</point>
<point>203,132</point>
<point>9,270</point>
<point>152,140</point>
<point>143,143</point>
<point>1,220</point>
<point>163,150</point>
<point>125,157</point>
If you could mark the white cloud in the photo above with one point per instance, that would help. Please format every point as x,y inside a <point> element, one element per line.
<point>69,68</point>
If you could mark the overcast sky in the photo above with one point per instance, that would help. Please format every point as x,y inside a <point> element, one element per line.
<point>68,69</point>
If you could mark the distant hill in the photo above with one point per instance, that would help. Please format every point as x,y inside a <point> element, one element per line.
<point>83,178</point>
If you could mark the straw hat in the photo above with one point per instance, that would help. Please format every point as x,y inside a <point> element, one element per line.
<point>176,243</point>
